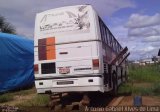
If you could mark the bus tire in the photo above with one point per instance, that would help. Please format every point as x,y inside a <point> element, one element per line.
<point>115,85</point>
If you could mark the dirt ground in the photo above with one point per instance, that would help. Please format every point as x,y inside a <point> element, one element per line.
<point>146,101</point>
<point>125,101</point>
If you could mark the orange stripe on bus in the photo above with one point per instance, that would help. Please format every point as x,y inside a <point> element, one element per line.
<point>50,48</point>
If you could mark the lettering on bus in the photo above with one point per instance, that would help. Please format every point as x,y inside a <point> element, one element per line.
<point>66,21</point>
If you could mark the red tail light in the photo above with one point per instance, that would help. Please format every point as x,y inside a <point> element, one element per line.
<point>95,64</point>
<point>36,69</point>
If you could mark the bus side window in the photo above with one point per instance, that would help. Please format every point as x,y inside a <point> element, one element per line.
<point>107,37</point>
<point>110,40</point>
<point>116,47</point>
<point>114,44</point>
<point>103,32</point>
<point>100,24</point>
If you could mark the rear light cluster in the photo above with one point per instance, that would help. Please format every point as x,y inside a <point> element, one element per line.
<point>36,69</point>
<point>95,63</point>
<point>46,48</point>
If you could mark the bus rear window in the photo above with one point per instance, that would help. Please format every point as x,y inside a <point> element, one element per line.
<point>48,68</point>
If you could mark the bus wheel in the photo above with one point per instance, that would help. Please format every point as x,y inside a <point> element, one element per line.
<point>115,86</point>
<point>85,100</point>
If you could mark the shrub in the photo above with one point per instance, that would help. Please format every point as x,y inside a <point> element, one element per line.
<point>5,98</point>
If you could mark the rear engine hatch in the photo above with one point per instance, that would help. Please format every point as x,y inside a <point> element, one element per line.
<point>74,60</point>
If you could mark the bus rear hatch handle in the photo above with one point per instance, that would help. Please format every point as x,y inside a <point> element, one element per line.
<point>63,53</point>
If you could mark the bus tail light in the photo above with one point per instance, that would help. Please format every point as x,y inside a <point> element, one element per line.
<point>95,63</point>
<point>36,69</point>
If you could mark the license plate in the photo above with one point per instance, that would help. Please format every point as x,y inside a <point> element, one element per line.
<point>64,70</point>
<point>64,82</point>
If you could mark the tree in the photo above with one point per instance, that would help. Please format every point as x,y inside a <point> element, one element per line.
<point>154,58</point>
<point>6,27</point>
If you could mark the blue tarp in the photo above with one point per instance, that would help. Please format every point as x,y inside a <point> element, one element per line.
<point>16,62</point>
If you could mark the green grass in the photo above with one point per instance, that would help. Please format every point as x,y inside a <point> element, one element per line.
<point>149,73</point>
<point>10,95</point>
<point>38,100</point>
<point>142,91</point>
<point>154,90</point>
<point>24,92</point>
<point>143,80</point>
<point>125,88</point>
<point>6,97</point>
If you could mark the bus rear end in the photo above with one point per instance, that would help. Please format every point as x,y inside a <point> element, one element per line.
<point>66,51</point>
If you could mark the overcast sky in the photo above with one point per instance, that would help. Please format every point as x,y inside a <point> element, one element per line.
<point>135,23</point>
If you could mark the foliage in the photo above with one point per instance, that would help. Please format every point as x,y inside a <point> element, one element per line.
<point>125,88</point>
<point>153,90</point>
<point>156,88</point>
<point>38,100</point>
<point>143,80</point>
<point>5,98</point>
<point>6,27</point>
<point>24,92</point>
<point>148,73</point>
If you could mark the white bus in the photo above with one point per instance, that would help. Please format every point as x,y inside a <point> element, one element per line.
<point>76,52</point>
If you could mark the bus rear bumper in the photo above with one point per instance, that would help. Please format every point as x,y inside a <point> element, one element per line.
<point>81,84</point>
<point>71,89</point>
